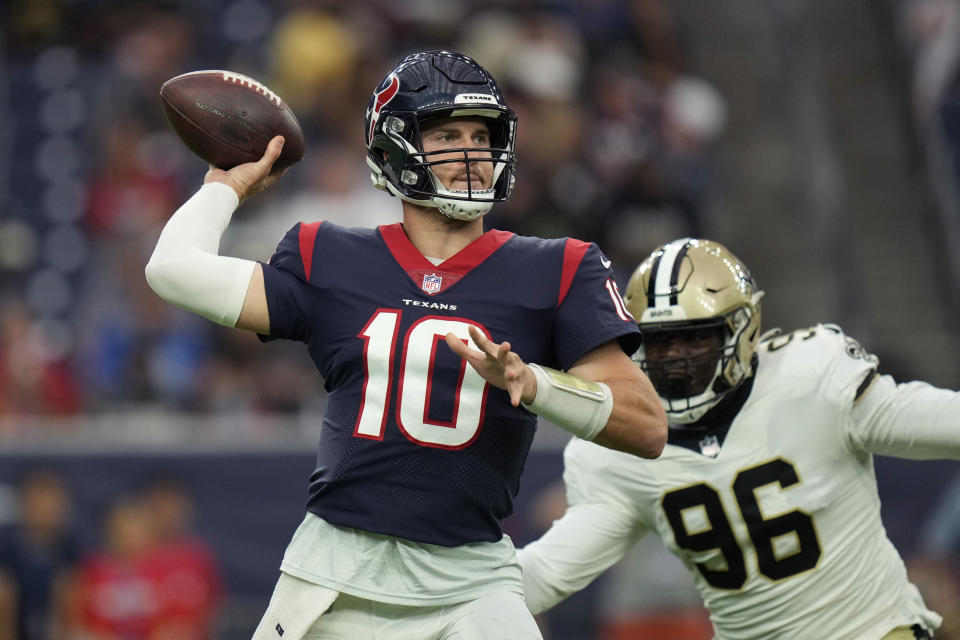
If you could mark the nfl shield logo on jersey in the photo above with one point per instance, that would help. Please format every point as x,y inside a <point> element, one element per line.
<point>710,446</point>
<point>431,283</point>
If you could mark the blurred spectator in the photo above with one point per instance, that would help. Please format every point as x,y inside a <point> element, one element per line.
<point>130,193</point>
<point>939,584</point>
<point>314,55</point>
<point>935,564</point>
<point>35,378</point>
<point>133,349</point>
<point>152,578</point>
<point>181,564</point>
<point>116,597</point>
<point>337,189</point>
<point>614,147</point>
<point>38,556</point>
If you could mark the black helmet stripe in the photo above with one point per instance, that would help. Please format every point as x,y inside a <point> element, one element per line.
<point>665,274</point>
<point>675,272</point>
<point>651,289</point>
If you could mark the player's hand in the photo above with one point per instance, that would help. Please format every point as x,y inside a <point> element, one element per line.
<point>498,365</point>
<point>250,178</point>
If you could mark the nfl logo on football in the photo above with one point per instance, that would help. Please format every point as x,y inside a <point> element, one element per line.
<point>431,283</point>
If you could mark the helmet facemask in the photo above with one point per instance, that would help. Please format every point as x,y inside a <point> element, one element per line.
<point>407,165</point>
<point>692,384</point>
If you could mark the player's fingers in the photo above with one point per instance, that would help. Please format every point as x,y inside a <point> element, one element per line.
<point>481,341</point>
<point>458,346</point>
<point>272,153</point>
<point>272,178</point>
<point>516,394</point>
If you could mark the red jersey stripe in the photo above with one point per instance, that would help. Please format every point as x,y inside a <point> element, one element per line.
<point>308,237</point>
<point>573,253</point>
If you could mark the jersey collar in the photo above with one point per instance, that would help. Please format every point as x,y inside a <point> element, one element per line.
<point>436,279</point>
<point>707,434</point>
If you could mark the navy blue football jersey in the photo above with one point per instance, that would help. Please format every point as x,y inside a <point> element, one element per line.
<point>414,442</point>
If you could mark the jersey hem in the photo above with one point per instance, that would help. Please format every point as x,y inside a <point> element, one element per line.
<point>391,597</point>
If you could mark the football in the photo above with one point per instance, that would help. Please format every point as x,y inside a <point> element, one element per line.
<point>228,118</point>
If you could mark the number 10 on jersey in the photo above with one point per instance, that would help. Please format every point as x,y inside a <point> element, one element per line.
<point>417,381</point>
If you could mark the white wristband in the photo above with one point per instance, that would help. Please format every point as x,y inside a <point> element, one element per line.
<point>185,269</point>
<point>581,407</point>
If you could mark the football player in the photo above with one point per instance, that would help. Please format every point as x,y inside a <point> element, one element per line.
<point>430,411</point>
<point>766,488</point>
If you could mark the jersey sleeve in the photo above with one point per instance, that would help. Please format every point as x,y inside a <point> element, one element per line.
<point>821,359</point>
<point>598,528</point>
<point>286,279</point>
<point>910,420</point>
<point>591,311</point>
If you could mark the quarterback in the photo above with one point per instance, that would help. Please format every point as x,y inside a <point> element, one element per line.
<point>430,411</point>
<point>766,488</point>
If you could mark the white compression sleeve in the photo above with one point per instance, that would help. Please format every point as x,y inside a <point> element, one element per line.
<point>185,268</point>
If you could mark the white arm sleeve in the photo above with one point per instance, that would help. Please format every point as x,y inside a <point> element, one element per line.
<point>185,269</point>
<point>578,547</point>
<point>910,420</point>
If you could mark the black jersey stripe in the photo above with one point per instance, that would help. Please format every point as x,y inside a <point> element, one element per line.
<point>866,383</point>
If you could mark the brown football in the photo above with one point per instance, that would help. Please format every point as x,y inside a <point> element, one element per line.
<point>228,118</point>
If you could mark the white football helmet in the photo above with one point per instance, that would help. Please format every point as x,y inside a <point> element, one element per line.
<point>692,284</point>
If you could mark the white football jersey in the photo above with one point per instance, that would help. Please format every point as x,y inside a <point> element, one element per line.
<point>779,522</point>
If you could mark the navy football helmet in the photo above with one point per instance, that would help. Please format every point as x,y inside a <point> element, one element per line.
<point>428,85</point>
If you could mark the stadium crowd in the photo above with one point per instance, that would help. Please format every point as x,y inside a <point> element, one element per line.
<point>614,147</point>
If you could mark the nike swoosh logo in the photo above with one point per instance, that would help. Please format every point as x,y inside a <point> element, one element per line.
<point>605,262</point>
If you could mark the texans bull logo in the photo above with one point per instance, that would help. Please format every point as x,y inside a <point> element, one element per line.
<point>380,99</point>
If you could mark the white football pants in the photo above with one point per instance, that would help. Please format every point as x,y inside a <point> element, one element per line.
<point>301,610</point>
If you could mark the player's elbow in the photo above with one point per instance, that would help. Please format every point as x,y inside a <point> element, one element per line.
<point>657,440</point>
<point>652,436</point>
<point>642,433</point>
<point>657,427</point>
<point>162,277</point>
<point>175,278</point>
<point>154,273</point>
<point>649,421</point>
